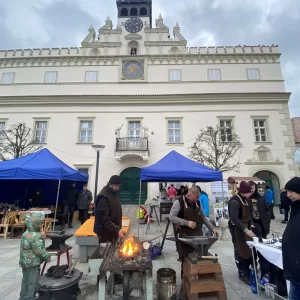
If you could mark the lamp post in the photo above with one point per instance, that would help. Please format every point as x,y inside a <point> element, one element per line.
<point>98,149</point>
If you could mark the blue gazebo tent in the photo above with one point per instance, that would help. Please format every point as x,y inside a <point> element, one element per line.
<point>40,165</point>
<point>175,167</point>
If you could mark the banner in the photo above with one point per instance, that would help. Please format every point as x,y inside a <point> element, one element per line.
<point>219,200</point>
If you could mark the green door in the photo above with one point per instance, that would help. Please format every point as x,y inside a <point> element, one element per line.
<point>130,187</point>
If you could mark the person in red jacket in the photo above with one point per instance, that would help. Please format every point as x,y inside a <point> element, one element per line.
<point>172,192</point>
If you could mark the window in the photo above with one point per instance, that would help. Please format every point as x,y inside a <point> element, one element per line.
<point>214,75</point>
<point>175,75</point>
<point>50,77</point>
<point>41,131</point>
<point>260,129</point>
<point>8,78</point>
<point>253,74</point>
<point>143,11</point>
<point>124,12</point>
<point>174,134</point>
<point>133,12</point>
<point>134,129</point>
<point>226,130</point>
<point>84,170</point>
<point>86,132</point>
<point>91,76</point>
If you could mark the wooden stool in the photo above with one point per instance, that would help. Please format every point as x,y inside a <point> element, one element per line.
<point>203,280</point>
<point>58,254</point>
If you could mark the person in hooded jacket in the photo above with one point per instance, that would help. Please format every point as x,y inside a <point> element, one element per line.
<point>32,254</point>
<point>290,240</point>
<point>85,198</point>
<point>108,212</point>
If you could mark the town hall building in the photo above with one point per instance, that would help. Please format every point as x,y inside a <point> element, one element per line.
<point>138,89</point>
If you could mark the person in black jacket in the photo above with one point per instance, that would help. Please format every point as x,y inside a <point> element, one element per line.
<point>108,212</point>
<point>85,198</point>
<point>291,240</point>
<point>37,198</point>
<point>261,221</point>
<point>285,204</point>
<point>69,201</point>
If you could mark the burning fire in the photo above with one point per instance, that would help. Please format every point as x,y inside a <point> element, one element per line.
<point>130,247</point>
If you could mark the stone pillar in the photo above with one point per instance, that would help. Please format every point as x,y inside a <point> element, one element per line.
<point>223,224</point>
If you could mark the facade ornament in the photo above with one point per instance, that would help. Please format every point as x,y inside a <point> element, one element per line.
<point>145,131</point>
<point>177,27</point>
<point>107,20</point>
<point>117,131</point>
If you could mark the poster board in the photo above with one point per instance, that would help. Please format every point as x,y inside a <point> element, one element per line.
<point>217,199</point>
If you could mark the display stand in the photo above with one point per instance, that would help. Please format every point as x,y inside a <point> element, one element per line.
<point>252,245</point>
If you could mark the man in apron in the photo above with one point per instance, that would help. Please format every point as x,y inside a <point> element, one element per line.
<point>187,214</point>
<point>239,225</point>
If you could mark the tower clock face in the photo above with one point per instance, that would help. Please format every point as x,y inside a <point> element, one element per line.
<point>134,25</point>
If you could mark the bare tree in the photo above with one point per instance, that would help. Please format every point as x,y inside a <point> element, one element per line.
<point>216,148</point>
<point>18,140</point>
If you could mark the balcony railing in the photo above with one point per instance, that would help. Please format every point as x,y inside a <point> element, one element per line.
<point>132,144</point>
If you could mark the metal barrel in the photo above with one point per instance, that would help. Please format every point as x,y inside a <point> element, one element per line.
<point>166,284</point>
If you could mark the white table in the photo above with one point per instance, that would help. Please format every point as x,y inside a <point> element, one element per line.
<point>272,255</point>
<point>43,212</point>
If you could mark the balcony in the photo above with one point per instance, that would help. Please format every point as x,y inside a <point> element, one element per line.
<point>132,147</point>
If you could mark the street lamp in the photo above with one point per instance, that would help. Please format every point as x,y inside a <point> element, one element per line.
<point>98,149</point>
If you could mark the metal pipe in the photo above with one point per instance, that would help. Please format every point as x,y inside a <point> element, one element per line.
<point>55,213</point>
<point>97,171</point>
<point>139,207</point>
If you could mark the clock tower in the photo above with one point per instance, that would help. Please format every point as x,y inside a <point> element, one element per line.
<point>135,15</point>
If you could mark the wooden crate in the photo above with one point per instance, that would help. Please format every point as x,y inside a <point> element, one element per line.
<point>203,280</point>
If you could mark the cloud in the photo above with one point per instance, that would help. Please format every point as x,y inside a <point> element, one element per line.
<point>57,23</point>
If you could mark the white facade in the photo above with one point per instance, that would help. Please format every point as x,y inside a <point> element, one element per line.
<point>101,87</point>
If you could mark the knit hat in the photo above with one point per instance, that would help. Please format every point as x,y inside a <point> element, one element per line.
<point>115,179</point>
<point>293,185</point>
<point>244,188</point>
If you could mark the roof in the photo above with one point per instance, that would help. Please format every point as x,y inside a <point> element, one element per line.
<point>175,167</point>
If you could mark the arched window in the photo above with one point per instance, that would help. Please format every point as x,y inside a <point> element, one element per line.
<point>133,12</point>
<point>143,11</point>
<point>124,12</point>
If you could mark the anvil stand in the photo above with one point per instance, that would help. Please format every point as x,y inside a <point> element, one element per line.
<point>58,246</point>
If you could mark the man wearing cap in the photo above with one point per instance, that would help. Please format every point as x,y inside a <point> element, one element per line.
<point>290,240</point>
<point>108,212</point>
<point>239,225</point>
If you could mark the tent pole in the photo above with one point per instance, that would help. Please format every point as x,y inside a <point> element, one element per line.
<point>223,199</point>
<point>139,207</point>
<point>58,188</point>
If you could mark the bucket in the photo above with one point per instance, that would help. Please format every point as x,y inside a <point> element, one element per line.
<point>166,284</point>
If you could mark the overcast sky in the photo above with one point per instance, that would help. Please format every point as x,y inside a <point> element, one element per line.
<point>64,23</point>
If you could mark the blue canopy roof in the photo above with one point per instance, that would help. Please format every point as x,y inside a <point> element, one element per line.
<point>175,167</point>
<point>39,165</point>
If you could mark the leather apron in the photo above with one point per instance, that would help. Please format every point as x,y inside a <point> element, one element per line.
<point>193,215</point>
<point>241,238</point>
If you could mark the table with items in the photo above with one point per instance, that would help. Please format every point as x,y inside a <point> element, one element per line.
<point>271,250</point>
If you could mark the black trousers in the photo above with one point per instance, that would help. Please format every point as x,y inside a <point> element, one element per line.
<point>68,210</point>
<point>271,208</point>
<point>83,215</point>
<point>286,214</point>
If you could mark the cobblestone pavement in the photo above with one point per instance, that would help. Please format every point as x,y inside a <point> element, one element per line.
<point>11,274</point>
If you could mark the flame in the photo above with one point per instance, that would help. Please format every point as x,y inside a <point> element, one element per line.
<point>129,248</point>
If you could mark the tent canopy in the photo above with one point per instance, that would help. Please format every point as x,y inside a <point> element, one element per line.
<point>40,165</point>
<point>175,167</point>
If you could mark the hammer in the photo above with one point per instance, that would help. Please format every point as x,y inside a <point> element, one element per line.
<point>68,275</point>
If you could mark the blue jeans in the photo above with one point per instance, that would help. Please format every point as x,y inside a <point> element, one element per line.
<point>294,292</point>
